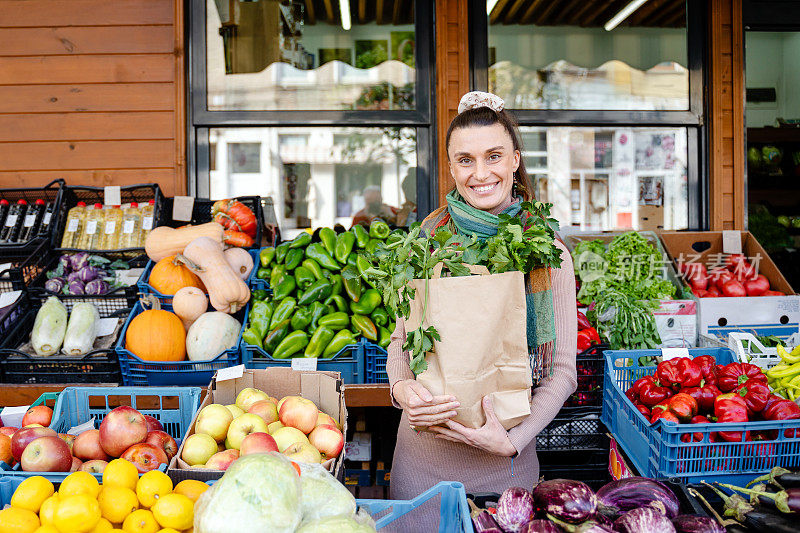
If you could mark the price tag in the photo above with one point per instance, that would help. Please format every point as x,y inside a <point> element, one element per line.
<point>72,227</point>
<point>77,430</point>
<point>4,266</point>
<point>112,195</point>
<point>147,223</point>
<point>232,372</point>
<point>11,220</point>
<point>12,416</point>
<point>8,298</point>
<point>29,220</point>
<point>47,216</point>
<point>304,363</point>
<point>731,242</point>
<point>106,326</point>
<point>91,227</point>
<point>674,353</point>
<point>127,226</point>
<point>182,208</point>
<point>110,227</point>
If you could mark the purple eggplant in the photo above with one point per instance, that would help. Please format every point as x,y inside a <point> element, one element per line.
<point>96,286</point>
<point>79,260</point>
<point>542,526</point>
<point>88,273</point>
<point>515,509</point>
<point>482,521</point>
<point>643,520</point>
<point>618,497</point>
<point>54,285</point>
<point>75,288</point>
<point>565,499</point>
<point>65,264</point>
<point>687,523</point>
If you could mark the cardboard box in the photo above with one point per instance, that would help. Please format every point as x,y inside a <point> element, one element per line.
<point>325,389</point>
<point>717,317</point>
<point>617,465</point>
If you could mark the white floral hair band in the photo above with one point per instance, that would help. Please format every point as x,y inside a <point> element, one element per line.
<point>477,99</point>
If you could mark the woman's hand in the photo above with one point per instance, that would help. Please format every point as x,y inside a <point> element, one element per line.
<point>422,407</point>
<point>492,437</point>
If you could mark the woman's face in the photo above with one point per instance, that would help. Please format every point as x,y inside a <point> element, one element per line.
<point>482,162</point>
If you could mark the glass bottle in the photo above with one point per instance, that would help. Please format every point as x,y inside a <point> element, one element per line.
<point>33,219</point>
<point>131,227</point>
<point>73,229</point>
<point>111,228</point>
<point>148,218</point>
<point>92,231</point>
<point>13,224</point>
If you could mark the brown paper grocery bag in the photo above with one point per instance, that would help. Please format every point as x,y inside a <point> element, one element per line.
<point>481,320</point>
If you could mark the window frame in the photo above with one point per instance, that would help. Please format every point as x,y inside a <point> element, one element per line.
<point>200,120</point>
<point>692,119</point>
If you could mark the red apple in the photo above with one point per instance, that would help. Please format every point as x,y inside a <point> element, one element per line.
<point>69,439</point>
<point>324,418</point>
<point>266,409</point>
<point>87,446</point>
<point>145,457</point>
<point>153,424</point>
<point>328,440</point>
<point>25,436</point>
<point>95,466</point>
<point>258,443</point>
<point>303,452</point>
<point>297,412</point>
<point>222,460</point>
<point>5,450</point>
<point>758,286</point>
<point>76,464</point>
<point>46,454</point>
<point>8,430</point>
<point>40,414</point>
<point>163,440</point>
<point>122,428</point>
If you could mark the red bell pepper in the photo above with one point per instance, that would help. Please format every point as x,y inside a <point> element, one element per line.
<point>732,375</point>
<point>781,409</point>
<point>652,393</point>
<point>683,406</point>
<point>644,410</point>
<point>583,322</point>
<point>696,436</point>
<point>584,341</point>
<point>708,368</point>
<point>662,412</point>
<point>730,407</point>
<point>704,396</point>
<point>755,393</point>
<point>680,372</point>
<point>593,335</point>
<point>633,391</point>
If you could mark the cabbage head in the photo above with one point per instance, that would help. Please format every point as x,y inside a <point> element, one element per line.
<point>323,495</point>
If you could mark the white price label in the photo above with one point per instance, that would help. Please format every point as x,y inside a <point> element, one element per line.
<point>91,227</point>
<point>47,216</point>
<point>182,208</point>
<point>12,416</point>
<point>72,227</point>
<point>147,223</point>
<point>29,220</point>
<point>77,430</point>
<point>112,195</point>
<point>304,363</point>
<point>106,326</point>
<point>8,298</point>
<point>111,227</point>
<point>11,220</point>
<point>127,226</point>
<point>232,372</point>
<point>731,242</point>
<point>674,353</point>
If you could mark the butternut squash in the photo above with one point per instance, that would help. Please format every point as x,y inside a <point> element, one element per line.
<point>226,290</point>
<point>164,241</point>
<point>240,261</point>
<point>189,303</point>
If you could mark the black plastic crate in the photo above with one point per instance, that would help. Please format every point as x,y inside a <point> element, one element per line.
<point>52,193</point>
<point>12,314</point>
<point>590,365</point>
<point>140,194</point>
<point>22,269</point>
<point>201,214</point>
<point>574,428</point>
<point>591,468</point>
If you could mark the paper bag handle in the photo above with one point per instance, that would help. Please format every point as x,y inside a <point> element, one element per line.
<point>479,270</point>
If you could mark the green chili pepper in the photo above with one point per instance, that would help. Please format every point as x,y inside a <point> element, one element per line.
<point>379,229</point>
<point>293,258</point>
<point>337,283</point>
<point>250,336</point>
<point>259,294</point>
<point>319,290</point>
<point>283,311</point>
<point>276,335</point>
<point>339,341</point>
<point>280,251</point>
<point>318,253</point>
<point>362,236</point>
<point>319,341</point>
<point>352,282</point>
<point>260,325</point>
<point>266,255</point>
<point>302,240</point>
<point>285,288</point>
<point>380,316</point>
<point>291,344</point>
<point>304,277</point>
<point>384,337</point>
<point>262,308</point>
<point>301,319</point>
<point>352,259</point>
<point>328,238</point>
<point>263,273</point>
<point>368,302</point>
<point>372,245</point>
<point>335,321</point>
<point>317,310</point>
<point>365,327</point>
<point>364,265</point>
<point>277,274</point>
<point>344,245</point>
<point>338,302</point>
<point>313,267</point>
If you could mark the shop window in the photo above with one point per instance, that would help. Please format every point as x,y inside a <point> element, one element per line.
<point>244,157</point>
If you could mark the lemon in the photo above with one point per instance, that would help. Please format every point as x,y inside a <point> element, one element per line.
<point>191,488</point>
<point>175,511</point>
<point>46,529</point>
<point>103,526</point>
<point>77,514</point>
<point>79,483</point>
<point>18,520</point>
<point>152,486</point>
<point>48,509</point>
<point>140,521</point>
<point>117,502</point>
<point>31,493</point>
<point>121,472</point>
<point>168,530</point>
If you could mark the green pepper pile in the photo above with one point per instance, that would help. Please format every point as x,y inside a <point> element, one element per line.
<point>319,302</point>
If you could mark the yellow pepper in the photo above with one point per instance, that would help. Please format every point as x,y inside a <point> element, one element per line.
<point>786,357</point>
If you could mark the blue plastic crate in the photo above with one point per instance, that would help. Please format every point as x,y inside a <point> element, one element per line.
<point>349,362</point>
<point>453,509</point>
<point>375,359</point>
<point>656,450</point>
<point>254,281</point>
<point>137,372</point>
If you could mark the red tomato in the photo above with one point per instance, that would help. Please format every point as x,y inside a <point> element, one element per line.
<point>724,278</point>
<point>700,293</point>
<point>773,293</point>
<point>698,281</point>
<point>733,260</point>
<point>733,289</point>
<point>713,292</point>
<point>758,286</point>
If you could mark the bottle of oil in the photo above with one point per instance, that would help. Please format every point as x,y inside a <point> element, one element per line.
<point>131,227</point>
<point>111,228</point>
<point>76,222</point>
<point>13,224</point>
<point>148,219</point>
<point>93,229</point>
<point>33,219</point>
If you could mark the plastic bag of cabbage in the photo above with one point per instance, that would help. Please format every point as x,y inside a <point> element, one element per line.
<point>262,492</point>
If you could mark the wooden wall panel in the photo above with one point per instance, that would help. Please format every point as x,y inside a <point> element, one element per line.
<point>92,91</point>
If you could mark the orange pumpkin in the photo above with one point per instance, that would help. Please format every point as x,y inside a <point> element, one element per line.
<point>156,335</point>
<point>170,275</point>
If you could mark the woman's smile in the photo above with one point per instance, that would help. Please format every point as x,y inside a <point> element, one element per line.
<point>480,189</point>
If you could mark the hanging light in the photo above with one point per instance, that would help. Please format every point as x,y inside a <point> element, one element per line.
<point>624,13</point>
<point>344,9</point>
